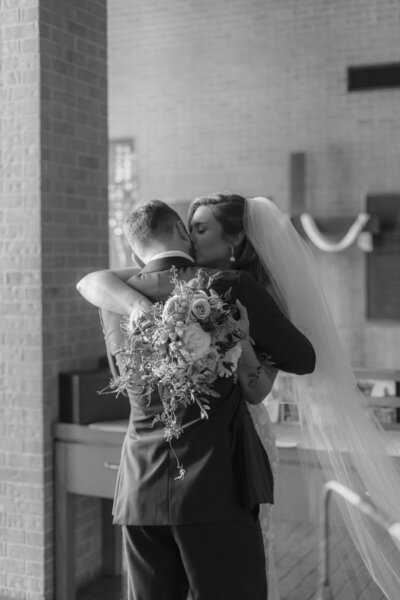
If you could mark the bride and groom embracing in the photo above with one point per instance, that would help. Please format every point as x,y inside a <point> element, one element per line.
<point>200,533</point>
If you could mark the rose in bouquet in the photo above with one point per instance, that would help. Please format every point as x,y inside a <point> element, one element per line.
<point>180,347</point>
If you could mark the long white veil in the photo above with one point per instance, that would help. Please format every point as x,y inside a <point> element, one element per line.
<point>338,427</point>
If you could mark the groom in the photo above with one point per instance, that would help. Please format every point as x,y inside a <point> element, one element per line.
<point>202,532</point>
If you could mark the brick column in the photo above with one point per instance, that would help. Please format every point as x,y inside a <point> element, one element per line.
<point>53,223</point>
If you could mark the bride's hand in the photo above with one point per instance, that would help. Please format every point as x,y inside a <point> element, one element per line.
<point>138,310</point>
<point>244,319</point>
<point>256,378</point>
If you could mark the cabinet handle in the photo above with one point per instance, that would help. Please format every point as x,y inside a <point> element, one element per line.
<point>111,466</point>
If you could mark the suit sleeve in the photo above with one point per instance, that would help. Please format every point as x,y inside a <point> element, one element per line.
<point>273,333</point>
<point>113,334</point>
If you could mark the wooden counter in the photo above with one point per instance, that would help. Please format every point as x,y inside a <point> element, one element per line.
<point>86,463</point>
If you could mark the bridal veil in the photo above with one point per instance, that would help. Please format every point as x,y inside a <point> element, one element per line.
<point>339,431</point>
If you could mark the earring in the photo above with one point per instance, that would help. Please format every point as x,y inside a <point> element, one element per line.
<point>232,256</point>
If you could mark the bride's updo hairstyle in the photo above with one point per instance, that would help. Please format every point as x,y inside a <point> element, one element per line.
<point>228,209</point>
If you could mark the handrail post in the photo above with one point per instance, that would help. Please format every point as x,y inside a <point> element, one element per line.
<point>323,591</point>
<point>365,506</point>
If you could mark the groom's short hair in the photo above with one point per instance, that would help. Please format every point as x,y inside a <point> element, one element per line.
<point>153,220</point>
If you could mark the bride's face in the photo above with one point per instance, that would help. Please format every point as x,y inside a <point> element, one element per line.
<point>210,245</point>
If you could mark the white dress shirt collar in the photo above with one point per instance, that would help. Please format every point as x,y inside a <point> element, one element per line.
<point>171,253</point>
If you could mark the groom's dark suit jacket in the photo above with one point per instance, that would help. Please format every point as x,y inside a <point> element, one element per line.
<point>227,469</point>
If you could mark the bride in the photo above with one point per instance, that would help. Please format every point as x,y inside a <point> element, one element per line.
<point>339,432</point>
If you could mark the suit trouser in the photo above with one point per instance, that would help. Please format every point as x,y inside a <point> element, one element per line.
<point>224,560</point>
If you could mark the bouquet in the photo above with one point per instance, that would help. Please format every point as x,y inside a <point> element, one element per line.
<point>179,348</point>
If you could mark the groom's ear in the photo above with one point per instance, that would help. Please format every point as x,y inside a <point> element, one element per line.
<point>182,231</point>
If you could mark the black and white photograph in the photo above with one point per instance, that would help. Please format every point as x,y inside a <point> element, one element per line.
<point>200,300</point>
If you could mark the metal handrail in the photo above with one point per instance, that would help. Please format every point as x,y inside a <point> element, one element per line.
<point>364,505</point>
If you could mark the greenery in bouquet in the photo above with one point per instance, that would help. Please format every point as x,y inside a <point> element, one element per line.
<point>180,347</point>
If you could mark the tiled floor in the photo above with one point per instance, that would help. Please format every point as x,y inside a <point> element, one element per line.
<point>296,559</point>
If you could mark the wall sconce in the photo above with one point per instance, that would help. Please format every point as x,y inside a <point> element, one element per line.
<point>325,231</point>
<point>375,231</point>
<point>356,233</point>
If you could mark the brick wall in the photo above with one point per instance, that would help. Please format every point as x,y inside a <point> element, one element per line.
<point>218,94</point>
<point>74,214</point>
<point>21,430</point>
<point>53,220</point>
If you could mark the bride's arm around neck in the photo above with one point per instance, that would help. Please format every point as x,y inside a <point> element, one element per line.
<point>108,290</point>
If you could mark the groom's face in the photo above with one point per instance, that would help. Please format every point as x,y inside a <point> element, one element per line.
<point>184,238</point>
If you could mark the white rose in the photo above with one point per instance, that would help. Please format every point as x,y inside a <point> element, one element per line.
<point>170,306</point>
<point>196,341</point>
<point>201,308</point>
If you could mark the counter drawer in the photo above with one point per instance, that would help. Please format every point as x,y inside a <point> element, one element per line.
<point>91,470</point>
